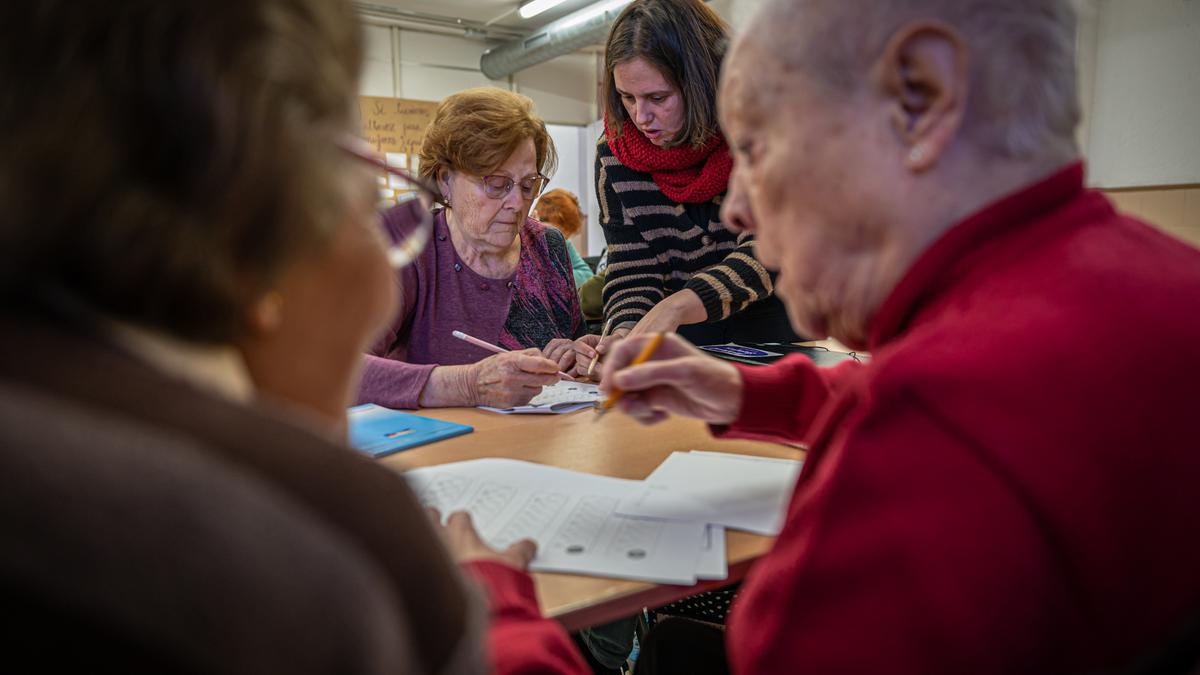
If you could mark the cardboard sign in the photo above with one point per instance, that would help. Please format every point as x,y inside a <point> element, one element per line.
<point>395,125</point>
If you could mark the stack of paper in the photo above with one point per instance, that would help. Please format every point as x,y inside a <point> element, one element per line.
<point>556,399</point>
<point>583,523</point>
<point>740,492</point>
<point>571,516</point>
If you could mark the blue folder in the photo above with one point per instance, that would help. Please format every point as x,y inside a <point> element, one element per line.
<point>380,431</point>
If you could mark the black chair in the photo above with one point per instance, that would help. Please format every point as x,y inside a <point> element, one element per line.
<point>686,636</point>
<point>678,645</point>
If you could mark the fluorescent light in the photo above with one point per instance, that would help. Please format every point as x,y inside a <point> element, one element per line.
<point>531,9</point>
<point>585,15</point>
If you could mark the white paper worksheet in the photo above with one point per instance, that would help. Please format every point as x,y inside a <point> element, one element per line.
<point>740,492</point>
<point>556,399</point>
<point>713,562</point>
<point>572,517</point>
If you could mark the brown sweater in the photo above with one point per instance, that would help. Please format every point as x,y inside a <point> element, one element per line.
<point>173,531</point>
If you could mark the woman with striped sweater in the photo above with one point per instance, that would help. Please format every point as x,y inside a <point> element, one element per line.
<point>662,170</point>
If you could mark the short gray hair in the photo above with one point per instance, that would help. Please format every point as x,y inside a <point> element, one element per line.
<point>1023,101</point>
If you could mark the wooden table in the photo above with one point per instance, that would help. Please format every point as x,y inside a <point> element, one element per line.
<point>612,446</point>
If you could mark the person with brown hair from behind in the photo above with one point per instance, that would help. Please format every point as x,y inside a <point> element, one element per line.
<point>187,282</point>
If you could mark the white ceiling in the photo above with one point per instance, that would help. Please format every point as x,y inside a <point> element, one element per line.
<point>498,13</point>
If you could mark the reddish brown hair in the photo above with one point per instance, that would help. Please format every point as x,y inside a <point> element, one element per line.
<point>560,209</point>
<point>477,129</point>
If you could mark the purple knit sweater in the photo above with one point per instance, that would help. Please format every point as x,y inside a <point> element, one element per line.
<point>440,293</point>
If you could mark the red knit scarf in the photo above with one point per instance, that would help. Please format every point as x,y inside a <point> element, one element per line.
<point>684,174</point>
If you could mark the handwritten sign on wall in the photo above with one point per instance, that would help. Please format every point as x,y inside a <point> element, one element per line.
<point>395,125</point>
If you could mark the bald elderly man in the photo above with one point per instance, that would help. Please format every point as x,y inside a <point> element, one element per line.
<point>1009,486</point>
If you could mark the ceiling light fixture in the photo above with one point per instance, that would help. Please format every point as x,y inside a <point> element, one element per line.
<point>532,9</point>
<point>598,9</point>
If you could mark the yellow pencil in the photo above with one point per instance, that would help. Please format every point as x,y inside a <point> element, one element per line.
<point>644,356</point>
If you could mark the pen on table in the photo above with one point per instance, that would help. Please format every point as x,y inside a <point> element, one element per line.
<point>596,357</point>
<point>493,348</point>
<point>642,357</point>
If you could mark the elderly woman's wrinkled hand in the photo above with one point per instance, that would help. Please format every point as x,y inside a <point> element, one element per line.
<point>511,379</point>
<point>562,352</point>
<point>589,346</point>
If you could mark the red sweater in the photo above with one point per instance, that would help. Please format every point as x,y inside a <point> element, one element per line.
<point>520,640</point>
<point>1009,485</point>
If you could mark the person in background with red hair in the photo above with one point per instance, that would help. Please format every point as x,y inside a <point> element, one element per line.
<point>561,209</point>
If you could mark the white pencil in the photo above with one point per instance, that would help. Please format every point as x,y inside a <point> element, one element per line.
<point>596,357</point>
<point>493,348</point>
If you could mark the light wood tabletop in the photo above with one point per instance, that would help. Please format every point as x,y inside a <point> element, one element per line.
<point>614,445</point>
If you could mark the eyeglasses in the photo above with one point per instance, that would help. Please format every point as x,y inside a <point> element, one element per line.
<point>409,224</point>
<point>498,186</point>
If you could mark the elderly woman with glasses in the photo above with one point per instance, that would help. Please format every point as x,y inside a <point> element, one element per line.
<point>489,271</point>
<point>180,334</point>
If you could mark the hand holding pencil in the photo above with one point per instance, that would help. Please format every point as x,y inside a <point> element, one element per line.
<point>590,349</point>
<point>671,378</point>
<point>507,379</point>
<point>647,352</point>
<point>596,358</point>
<point>495,349</point>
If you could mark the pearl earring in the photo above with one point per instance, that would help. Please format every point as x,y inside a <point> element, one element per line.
<point>916,154</point>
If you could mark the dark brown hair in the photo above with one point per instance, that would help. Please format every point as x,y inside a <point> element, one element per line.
<point>161,160</point>
<point>560,209</point>
<point>686,41</point>
<point>477,129</point>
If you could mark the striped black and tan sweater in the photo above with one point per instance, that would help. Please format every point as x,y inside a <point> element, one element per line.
<point>657,247</point>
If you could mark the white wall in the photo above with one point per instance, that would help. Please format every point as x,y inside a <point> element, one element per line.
<point>736,12</point>
<point>1086,41</point>
<point>572,174</point>
<point>1143,124</point>
<point>430,67</point>
<point>563,88</point>
<point>377,70</point>
<point>591,135</point>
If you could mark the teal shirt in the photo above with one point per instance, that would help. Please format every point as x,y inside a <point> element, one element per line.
<point>578,266</point>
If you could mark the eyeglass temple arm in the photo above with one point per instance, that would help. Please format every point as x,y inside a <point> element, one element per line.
<point>382,164</point>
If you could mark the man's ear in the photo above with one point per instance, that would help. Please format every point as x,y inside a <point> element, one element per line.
<point>924,74</point>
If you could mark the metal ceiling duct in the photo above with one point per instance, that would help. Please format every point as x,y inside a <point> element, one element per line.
<point>433,23</point>
<point>571,33</point>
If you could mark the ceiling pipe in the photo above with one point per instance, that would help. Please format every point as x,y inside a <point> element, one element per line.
<point>405,18</point>
<point>569,34</point>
